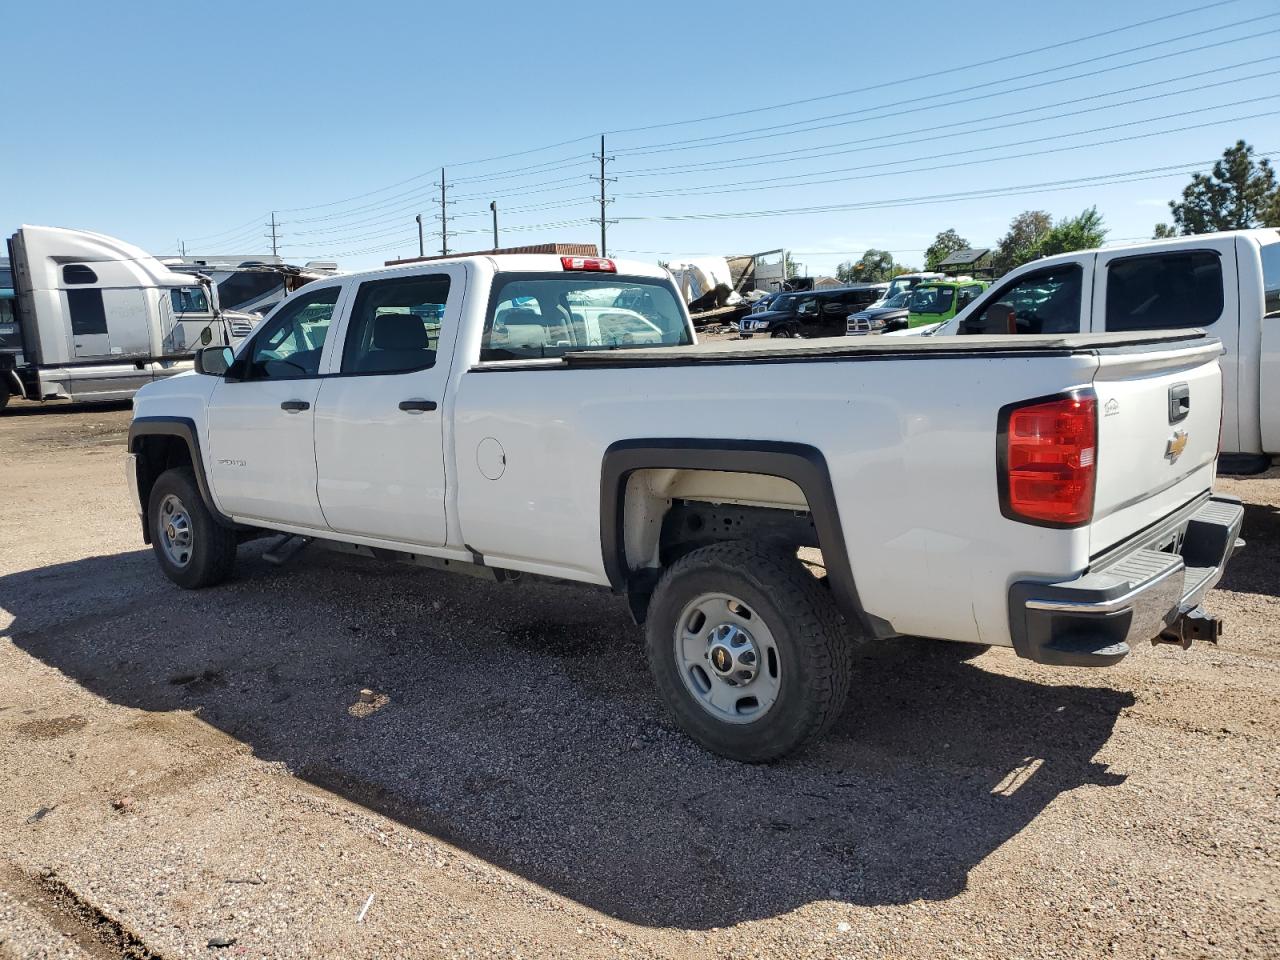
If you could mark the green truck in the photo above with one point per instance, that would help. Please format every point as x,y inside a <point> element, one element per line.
<point>936,300</point>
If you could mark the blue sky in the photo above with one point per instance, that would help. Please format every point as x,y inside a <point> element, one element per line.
<point>192,121</point>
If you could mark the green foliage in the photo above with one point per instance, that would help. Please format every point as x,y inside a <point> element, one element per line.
<point>875,266</point>
<point>1016,247</point>
<point>1033,234</point>
<point>793,269</point>
<point>1082,232</point>
<point>944,244</point>
<point>1163,231</point>
<point>1236,195</point>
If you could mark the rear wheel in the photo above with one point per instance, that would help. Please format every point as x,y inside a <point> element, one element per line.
<point>748,651</point>
<point>193,549</point>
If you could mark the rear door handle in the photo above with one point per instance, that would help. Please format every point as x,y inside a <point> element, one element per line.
<point>417,406</point>
<point>295,406</point>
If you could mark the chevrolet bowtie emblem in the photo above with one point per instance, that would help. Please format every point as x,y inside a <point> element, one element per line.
<point>1177,443</point>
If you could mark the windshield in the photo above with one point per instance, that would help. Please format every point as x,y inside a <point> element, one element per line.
<point>898,299</point>
<point>901,285</point>
<point>533,316</point>
<point>932,299</point>
<point>1271,280</point>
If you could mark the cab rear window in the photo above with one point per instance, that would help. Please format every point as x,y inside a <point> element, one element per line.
<point>534,316</point>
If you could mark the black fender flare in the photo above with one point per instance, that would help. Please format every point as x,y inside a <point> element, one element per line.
<point>803,465</point>
<point>184,428</point>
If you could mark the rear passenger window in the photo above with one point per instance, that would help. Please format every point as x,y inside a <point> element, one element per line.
<point>395,325</point>
<point>1177,289</point>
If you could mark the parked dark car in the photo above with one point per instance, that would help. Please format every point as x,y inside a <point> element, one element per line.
<point>891,316</point>
<point>815,313</point>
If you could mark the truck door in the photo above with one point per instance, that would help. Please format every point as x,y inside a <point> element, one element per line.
<point>1175,288</point>
<point>261,462</point>
<point>380,416</point>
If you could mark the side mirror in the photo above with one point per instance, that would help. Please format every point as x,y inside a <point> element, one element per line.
<point>214,361</point>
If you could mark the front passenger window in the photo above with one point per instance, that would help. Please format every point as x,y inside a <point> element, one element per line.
<point>1047,301</point>
<point>288,346</point>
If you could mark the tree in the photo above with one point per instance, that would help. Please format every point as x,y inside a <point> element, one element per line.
<point>1026,230</point>
<point>944,244</point>
<point>792,269</point>
<point>1236,195</point>
<point>1162,231</point>
<point>1081,232</point>
<point>874,266</point>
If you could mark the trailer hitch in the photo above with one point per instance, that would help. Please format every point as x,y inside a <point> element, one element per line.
<point>1190,625</point>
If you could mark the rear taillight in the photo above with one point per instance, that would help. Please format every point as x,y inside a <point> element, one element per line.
<point>1047,456</point>
<point>596,264</point>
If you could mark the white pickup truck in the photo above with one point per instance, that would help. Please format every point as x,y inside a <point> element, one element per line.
<point>1226,283</point>
<point>505,415</point>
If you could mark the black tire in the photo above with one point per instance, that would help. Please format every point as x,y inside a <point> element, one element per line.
<point>211,554</point>
<point>812,645</point>
<point>4,394</point>
<point>786,333</point>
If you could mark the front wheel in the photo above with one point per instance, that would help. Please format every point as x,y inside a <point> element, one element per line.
<point>193,549</point>
<point>747,650</point>
<point>786,333</point>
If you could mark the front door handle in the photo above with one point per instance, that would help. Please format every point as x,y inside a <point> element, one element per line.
<point>295,406</point>
<point>417,406</point>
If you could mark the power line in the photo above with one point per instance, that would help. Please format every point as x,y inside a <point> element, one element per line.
<point>1057,45</point>
<point>937,73</point>
<point>803,151</point>
<point>739,186</point>
<point>681,145</point>
<point>1130,176</point>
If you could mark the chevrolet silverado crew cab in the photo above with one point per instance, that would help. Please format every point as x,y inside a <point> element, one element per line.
<point>533,415</point>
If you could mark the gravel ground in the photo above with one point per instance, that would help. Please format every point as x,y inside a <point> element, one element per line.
<point>192,768</point>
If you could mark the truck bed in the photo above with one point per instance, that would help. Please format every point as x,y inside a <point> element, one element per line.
<point>853,348</point>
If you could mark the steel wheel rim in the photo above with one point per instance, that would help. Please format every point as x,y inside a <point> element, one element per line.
<point>727,658</point>
<point>177,539</point>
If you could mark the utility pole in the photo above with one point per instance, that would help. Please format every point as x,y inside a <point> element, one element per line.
<point>274,236</point>
<point>604,201</point>
<point>444,218</point>
<point>493,205</point>
<point>182,248</point>
<point>422,252</point>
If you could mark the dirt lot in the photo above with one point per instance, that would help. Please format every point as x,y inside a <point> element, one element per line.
<point>183,769</point>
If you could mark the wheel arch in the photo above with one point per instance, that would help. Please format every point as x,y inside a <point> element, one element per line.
<point>161,443</point>
<point>800,464</point>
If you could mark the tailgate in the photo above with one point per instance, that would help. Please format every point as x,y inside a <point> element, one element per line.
<point>1159,418</point>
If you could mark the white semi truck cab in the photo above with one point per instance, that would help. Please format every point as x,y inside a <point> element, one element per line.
<point>95,318</point>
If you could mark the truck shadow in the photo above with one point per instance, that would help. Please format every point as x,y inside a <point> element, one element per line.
<point>1254,570</point>
<point>25,408</point>
<point>519,723</point>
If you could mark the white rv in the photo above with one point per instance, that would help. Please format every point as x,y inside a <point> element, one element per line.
<point>95,318</point>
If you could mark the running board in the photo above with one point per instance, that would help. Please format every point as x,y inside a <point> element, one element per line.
<point>286,547</point>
